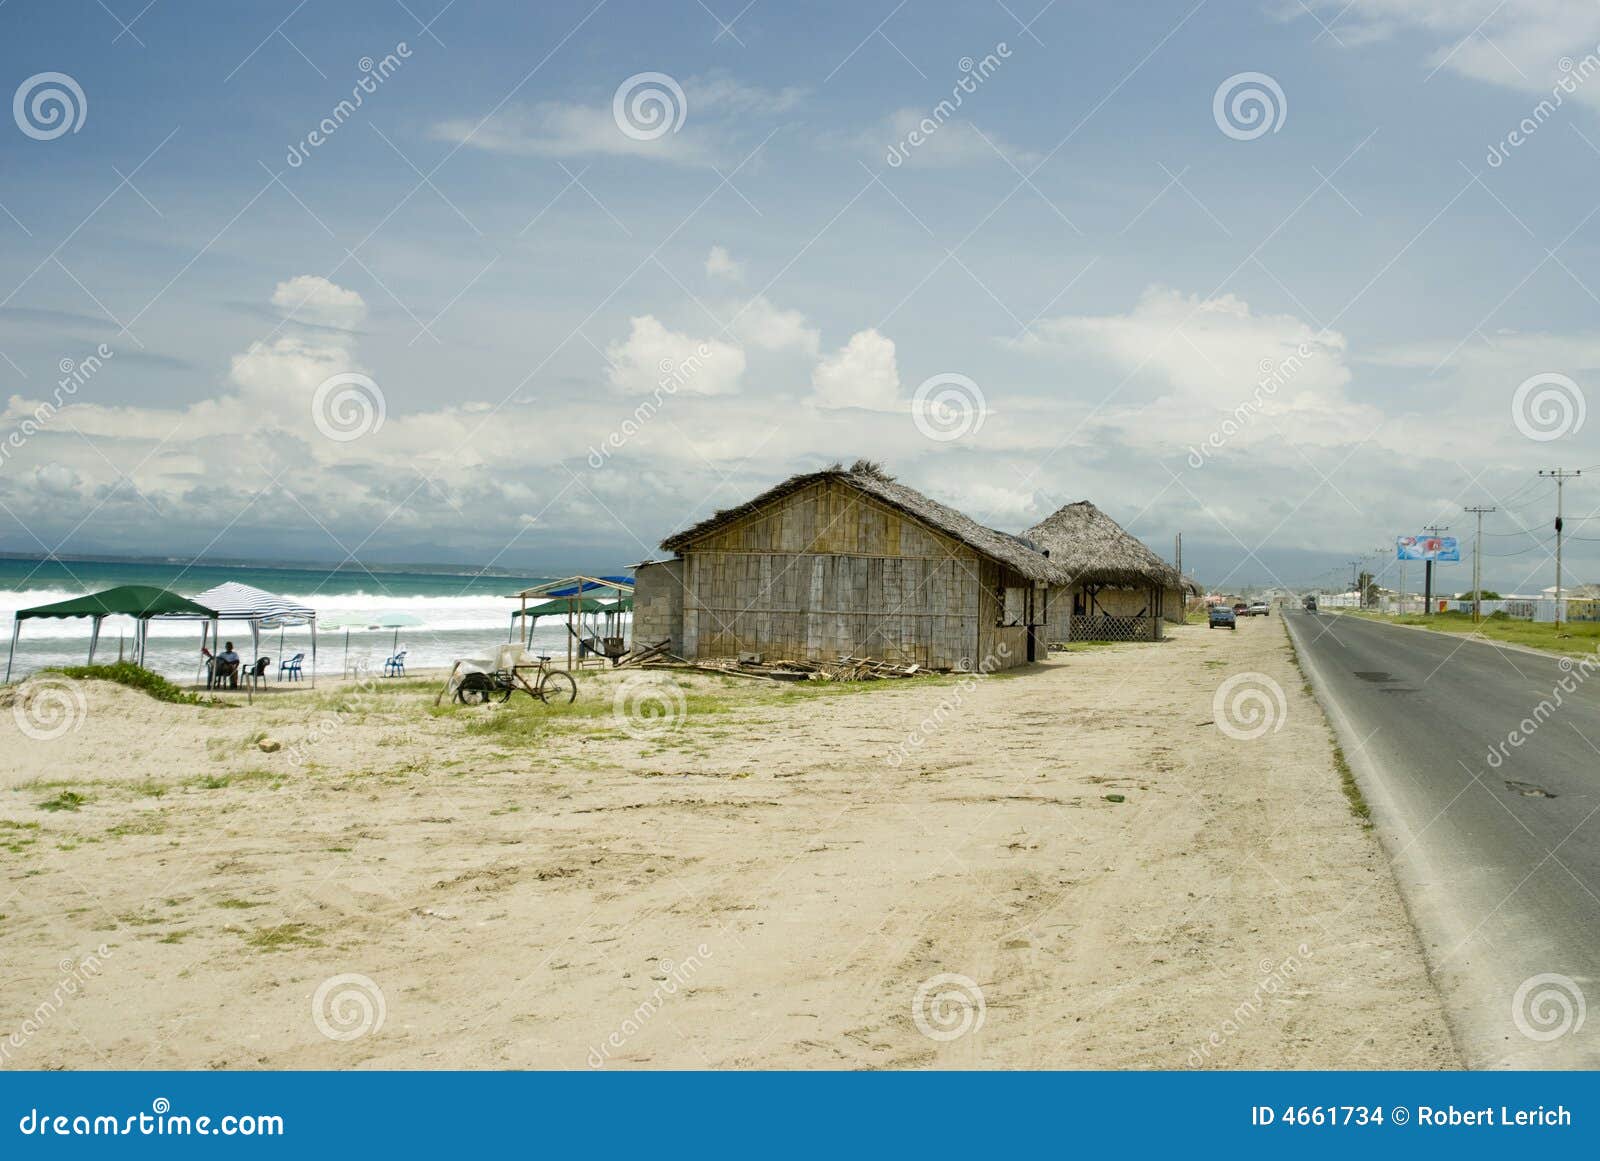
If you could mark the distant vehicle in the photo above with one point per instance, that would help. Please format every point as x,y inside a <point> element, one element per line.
<point>1223,616</point>
<point>1258,609</point>
<point>1241,607</point>
<point>1311,604</point>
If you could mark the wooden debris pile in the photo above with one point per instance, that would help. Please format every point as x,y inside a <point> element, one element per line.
<point>755,665</point>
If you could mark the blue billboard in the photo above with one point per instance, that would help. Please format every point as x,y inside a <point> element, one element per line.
<point>1427,548</point>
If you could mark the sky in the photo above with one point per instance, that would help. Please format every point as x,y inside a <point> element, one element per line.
<point>532,286</point>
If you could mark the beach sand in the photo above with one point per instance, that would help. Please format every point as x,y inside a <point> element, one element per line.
<point>532,887</point>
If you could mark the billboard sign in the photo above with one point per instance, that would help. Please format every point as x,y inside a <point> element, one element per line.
<point>1427,548</point>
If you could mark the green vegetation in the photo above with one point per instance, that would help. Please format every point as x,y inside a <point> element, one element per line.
<point>134,677</point>
<point>150,822</point>
<point>1347,783</point>
<point>65,800</point>
<point>270,778</point>
<point>1347,778</point>
<point>284,937</point>
<point>1574,637</point>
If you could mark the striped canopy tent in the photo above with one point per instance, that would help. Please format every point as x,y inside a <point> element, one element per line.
<point>591,604</point>
<point>233,601</point>
<point>141,602</point>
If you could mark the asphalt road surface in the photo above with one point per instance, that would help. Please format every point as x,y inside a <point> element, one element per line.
<point>1493,827</point>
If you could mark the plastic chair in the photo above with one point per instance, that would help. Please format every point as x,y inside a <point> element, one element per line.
<point>396,665</point>
<point>290,669</point>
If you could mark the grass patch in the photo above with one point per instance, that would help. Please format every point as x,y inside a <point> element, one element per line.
<point>128,674</point>
<point>285,937</point>
<point>245,778</point>
<point>237,904</point>
<point>150,822</point>
<point>1348,785</point>
<point>1085,646</point>
<point>1574,637</point>
<point>1352,791</point>
<point>65,800</point>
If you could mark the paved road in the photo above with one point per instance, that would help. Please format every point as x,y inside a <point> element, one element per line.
<point>1498,858</point>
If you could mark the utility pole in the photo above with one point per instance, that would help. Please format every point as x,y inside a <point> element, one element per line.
<point>1427,571</point>
<point>1477,563</point>
<point>1560,476</point>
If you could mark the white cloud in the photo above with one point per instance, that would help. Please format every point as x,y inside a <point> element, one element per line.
<point>720,264</point>
<point>765,327</point>
<point>939,145</point>
<point>862,374</point>
<point>716,113</point>
<point>652,353</point>
<point>56,479</point>
<point>1208,350</point>
<point>558,129</point>
<point>1517,44</point>
<point>313,299</point>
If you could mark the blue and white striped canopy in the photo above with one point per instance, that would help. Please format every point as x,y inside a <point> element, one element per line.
<point>238,602</point>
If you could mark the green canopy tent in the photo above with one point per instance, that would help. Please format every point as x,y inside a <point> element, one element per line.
<point>141,602</point>
<point>592,623</point>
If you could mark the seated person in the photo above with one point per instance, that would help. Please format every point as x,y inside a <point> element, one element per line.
<point>225,666</point>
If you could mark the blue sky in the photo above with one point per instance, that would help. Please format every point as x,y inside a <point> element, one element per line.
<point>1095,272</point>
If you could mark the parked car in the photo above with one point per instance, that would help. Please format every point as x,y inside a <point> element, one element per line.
<point>1223,616</point>
<point>1258,609</point>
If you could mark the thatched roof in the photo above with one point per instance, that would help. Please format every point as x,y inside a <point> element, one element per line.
<point>1095,549</point>
<point>1015,552</point>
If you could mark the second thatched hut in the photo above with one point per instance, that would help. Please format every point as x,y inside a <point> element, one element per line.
<point>1119,589</point>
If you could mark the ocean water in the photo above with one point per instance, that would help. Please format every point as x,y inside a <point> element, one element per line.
<point>461,614</point>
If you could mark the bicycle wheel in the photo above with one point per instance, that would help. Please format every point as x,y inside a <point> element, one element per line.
<point>558,687</point>
<point>474,689</point>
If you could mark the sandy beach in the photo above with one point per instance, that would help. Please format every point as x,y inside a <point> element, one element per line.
<point>1068,865</point>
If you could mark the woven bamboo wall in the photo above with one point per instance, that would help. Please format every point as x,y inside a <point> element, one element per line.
<point>1107,602</point>
<point>828,572</point>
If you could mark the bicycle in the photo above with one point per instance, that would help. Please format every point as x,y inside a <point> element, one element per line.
<point>551,686</point>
